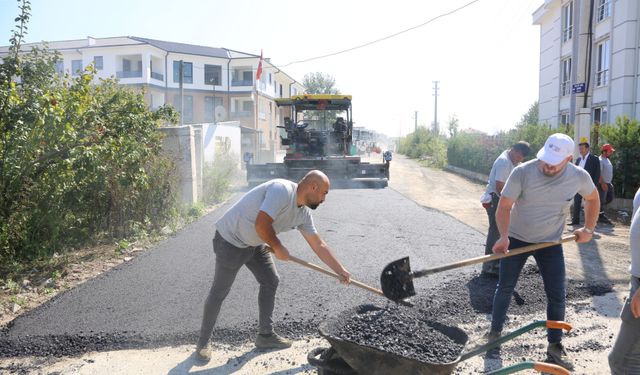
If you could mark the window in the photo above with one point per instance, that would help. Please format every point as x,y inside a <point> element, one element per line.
<point>600,115</point>
<point>281,91</point>
<point>59,67</point>
<point>247,106</point>
<point>212,74</point>
<point>567,21</point>
<point>187,116</point>
<point>602,73</point>
<point>247,77</point>
<point>98,61</point>
<point>565,85</point>
<point>564,118</point>
<point>187,72</point>
<point>76,67</point>
<point>269,78</point>
<point>209,108</point>
<point>604,9</point>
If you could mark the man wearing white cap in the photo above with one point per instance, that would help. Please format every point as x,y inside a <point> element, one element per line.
<point>532,209</point>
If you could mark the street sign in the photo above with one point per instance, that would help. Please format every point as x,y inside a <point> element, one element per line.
<point>577,88</point>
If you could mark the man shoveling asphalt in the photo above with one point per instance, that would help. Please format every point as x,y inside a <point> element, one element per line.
<point>532,210</point>
<point>270,208</point>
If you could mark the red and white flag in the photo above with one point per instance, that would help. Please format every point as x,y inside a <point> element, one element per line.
<point>259,71</point>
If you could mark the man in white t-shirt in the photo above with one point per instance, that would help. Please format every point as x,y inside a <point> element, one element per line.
<point>625,354</point>
<point>500,171</point>
<point>273,207</point>
<point>606,177</point>
<point>532,211</point>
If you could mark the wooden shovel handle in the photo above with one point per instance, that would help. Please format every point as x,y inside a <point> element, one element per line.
<point>332,274</point>
<point>487,258</point>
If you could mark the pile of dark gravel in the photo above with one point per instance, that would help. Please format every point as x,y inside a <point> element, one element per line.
<point>402,332</point>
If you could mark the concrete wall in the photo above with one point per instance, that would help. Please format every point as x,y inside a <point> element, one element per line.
<point>180,145</point>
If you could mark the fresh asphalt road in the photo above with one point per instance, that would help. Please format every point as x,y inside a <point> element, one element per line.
<point>157,298</point>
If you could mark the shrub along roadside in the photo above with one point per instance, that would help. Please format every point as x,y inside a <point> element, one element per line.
<point>79,162</point>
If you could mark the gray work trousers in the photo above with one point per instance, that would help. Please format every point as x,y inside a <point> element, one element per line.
<point>624,358</point>
<point>493,266</point>
<point>229,260</point>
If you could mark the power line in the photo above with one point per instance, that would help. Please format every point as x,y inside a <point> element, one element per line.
<point>383,38</point>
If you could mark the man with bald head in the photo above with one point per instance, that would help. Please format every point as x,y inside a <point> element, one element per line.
<point>255,220</point>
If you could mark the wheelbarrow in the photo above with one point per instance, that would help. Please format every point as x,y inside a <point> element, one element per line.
<point>347,358</point>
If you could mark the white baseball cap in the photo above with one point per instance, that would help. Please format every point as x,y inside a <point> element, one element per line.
<point>557,147</point>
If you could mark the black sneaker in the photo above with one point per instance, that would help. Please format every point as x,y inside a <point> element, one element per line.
<point>604,220</point>
<point>558,355</point>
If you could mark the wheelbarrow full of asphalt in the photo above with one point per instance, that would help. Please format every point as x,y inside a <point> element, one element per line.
<point>348,358</point>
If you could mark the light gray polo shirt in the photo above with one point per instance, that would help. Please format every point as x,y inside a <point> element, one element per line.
<point>539,212</point>
<point>277,198</point>
<point>634,237</point>
<point>500,171</point>
<point>606,169</point>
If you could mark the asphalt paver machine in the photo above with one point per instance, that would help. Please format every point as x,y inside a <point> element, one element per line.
<point>319,135</point>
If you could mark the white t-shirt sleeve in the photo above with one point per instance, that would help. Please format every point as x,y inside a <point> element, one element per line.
<point>275,200</point>
<point>586,184</point>
<point>502,170</point>
<point>513,187</point>
<point>308,226</point>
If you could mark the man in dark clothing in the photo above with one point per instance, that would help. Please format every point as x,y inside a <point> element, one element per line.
<point>591,164</point>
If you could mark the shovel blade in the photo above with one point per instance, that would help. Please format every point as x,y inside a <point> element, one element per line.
<point>396,280</point>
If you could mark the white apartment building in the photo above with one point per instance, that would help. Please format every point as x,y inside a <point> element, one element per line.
<point>589,62</point>
<point>218,83</point>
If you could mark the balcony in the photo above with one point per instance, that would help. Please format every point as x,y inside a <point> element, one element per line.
<point>129,74</point>
<point>241,82</point>
<point>157,76</point>
<point>241,114</point>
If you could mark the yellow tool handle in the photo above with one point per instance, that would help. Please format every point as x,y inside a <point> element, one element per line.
<point>332,274</point>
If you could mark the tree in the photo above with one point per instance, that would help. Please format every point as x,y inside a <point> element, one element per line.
<point>320,83</point>
<point>531,117</point>
<point>454,124</point>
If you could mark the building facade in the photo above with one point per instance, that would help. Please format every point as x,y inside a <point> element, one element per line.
<point>589,62</point>
<point>218,84</point>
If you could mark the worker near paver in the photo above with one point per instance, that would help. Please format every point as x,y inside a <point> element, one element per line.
<point>500,171</point>
<point>606,177</point>
<point>268,209</point>
<point>591,164</point>
<point>532,210</point>
<point>624,357</point>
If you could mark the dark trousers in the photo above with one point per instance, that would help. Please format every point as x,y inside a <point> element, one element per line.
<point>229,260</point>
<point>551,264</point>
<point>492,236</point>
<point>603,198</point>
<point>577,207</point>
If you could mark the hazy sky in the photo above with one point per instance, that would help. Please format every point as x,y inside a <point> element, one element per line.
<point>485,56</point>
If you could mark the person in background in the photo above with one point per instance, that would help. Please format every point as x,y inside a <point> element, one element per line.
<point>624,357</point>
<point>532,211</point>
<point>591,164</point>
<point>271,208</point>
<point>500,171</point>
<point>606,176</point>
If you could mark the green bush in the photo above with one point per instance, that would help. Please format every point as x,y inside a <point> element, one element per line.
<point>424,144</point>
<point>478,151</point>
<point>77,160</point>
<point>624,136</point>
<point>217,177</point>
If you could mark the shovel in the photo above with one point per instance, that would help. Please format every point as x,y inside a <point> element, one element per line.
<point>332,274</point>
<point>397,278</point>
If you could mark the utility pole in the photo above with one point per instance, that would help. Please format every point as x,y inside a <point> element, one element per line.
<point>181,92</point>
<point>416,118</point>
<point>436,128</point>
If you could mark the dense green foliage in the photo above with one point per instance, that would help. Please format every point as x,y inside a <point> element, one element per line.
<point>78,160</point>
<point>624,136</point>
<point>426,145</point>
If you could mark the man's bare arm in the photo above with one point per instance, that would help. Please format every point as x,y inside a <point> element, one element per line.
<point>325,254</point>
<point>503,217</point>
<point>264,228</point>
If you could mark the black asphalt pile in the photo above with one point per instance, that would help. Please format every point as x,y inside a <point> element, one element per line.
<point>402,332</point>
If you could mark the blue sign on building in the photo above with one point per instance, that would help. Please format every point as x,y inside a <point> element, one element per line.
<point>577,88</point>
